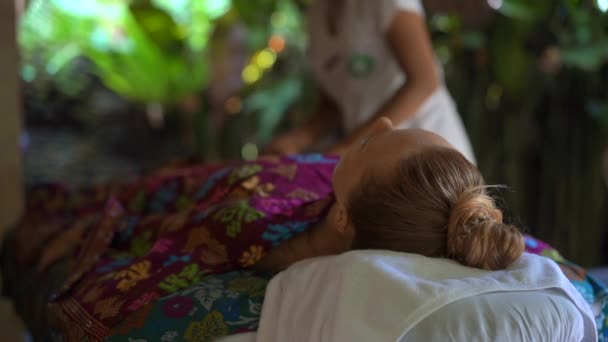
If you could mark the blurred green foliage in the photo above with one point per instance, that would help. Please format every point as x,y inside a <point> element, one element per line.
<point>146,51</point>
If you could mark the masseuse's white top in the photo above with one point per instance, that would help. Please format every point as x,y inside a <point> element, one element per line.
<point>358,70</point>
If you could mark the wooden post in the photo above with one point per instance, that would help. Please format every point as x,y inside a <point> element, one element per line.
<point>11,178</point>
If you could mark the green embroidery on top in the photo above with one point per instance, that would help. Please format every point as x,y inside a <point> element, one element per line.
<point>235,215</point>
<point>361,65</point>
<point>243,172</point>
<point>189,275</point>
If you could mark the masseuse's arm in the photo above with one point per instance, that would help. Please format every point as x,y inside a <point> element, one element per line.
<point>409,39</point>
<point>325,118</point>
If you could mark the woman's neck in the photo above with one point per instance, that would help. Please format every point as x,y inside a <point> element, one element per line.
<point>326,240</point>
<point>320,240</point>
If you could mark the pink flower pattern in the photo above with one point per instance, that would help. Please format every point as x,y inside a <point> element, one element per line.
<point>162,246</point>
<point>143,300</point>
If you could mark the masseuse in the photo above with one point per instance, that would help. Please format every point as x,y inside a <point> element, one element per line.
<point>373,59</point>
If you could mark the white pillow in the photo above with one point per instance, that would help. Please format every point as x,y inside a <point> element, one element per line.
<point>538,316</point>
<point>384,296</point>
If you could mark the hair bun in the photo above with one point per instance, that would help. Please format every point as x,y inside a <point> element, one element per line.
<point>477,237</point>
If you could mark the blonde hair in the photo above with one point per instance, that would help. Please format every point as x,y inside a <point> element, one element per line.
<point>434,204</point>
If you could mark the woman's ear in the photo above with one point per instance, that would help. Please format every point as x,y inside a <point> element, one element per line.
<point>338,218</point>
<point>339,229</point>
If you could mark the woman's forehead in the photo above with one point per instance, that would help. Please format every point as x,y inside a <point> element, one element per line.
<point>397,145</point>
<point>418,138</point>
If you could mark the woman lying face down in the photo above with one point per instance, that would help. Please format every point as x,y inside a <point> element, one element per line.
<point>407,191</point>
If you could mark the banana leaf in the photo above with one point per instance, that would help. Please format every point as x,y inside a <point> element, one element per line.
<point>145,51</point>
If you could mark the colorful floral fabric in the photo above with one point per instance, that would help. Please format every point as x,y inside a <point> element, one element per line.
<point>219,305</point>
<point>174,229</point>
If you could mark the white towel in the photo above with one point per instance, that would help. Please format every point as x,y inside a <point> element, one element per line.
<point>381,295</point>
